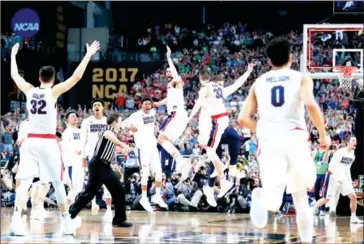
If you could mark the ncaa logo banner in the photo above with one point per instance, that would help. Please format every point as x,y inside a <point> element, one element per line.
<point>25,22</point>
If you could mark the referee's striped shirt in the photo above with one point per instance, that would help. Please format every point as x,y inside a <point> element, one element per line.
<point>105,149</point>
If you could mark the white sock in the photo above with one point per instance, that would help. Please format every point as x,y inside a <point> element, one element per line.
<point>144,194</point>
<point>353,215</point>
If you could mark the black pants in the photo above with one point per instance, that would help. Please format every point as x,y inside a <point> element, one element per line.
<point>101,174</point>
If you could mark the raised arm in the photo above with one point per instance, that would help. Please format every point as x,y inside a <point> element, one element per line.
<point>171,65</point>
<point>63,87</point>
<point>19,81</point>
<point>227,91</point>
<point>248,110</point>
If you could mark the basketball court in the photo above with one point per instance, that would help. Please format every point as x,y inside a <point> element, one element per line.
<point>182,227</point>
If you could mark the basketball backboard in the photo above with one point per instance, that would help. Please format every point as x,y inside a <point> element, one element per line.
<point>328,45</point>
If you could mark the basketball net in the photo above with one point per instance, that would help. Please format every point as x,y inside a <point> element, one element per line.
<point>345,77</point>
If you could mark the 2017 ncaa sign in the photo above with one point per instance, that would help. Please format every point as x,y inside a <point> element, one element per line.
<point>25,22</point>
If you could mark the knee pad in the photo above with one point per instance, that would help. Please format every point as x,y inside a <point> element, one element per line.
<point>60,192</point>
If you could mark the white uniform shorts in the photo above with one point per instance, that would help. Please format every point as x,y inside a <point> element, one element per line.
<point>149,158</point>
<point>286,162</point>
<point>174,125</point>
<point>219,123</point>
<point>41,157</point>
<point>331,188</point>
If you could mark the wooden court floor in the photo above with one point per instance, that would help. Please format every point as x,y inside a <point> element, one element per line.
<point>181,227</point>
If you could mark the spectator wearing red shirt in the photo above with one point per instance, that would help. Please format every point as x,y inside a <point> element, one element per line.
<point>121,100</point>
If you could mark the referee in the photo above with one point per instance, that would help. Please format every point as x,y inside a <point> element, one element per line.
<point>100,173</point>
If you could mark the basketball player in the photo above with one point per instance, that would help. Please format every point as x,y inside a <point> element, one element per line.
<point>41,149</point>
<point>90,130</point>
<point>39,190</point>
<point>175,123</point>
<point>211,97</point>
<point>279,97</point>
<point>338,180</point>
<point>205,124</point>
<point>142,123</point>
<point>72,158</point>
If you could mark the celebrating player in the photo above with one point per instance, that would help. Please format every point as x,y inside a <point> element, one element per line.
<point>42,151</point>
<point>175,123</point>
<point>142,123</point>
<point>338,180</point>
<point>279,97</point>
<point>72,158</point>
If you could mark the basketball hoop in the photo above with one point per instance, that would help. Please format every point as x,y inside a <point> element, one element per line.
<point>345,77</point>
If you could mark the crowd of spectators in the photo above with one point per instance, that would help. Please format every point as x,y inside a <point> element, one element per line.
<point>226,51</point>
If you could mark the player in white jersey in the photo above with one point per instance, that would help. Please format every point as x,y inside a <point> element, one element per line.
<point>90,132</point>
<point>72,157</point>
<point>205,127</point>
<point>41,149</point>
<point>338,181</point>
<point>211,97</point>
<point>175,123</point>
<point>279,96</point>
<point>142,125</point>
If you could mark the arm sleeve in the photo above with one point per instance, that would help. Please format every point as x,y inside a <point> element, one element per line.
<point>84,134</point>
<point>227,91</point>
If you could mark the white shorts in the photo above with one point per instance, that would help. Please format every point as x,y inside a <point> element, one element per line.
<point>219,123</point>
<point>41,158</point>
<point>286,162</point>
<point>76,175</point>
<point>174,125</point>
<point>330,187</point>
<point>149,158</point>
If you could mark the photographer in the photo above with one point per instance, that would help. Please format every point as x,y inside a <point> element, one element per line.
<point>187,196</point>
<point>133,192</point>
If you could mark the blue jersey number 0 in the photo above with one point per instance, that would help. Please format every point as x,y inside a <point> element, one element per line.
<point>277,97</point>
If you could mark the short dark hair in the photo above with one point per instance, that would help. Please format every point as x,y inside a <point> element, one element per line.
<point>278,51</point>
<point>47,74</point>
<point>145,99</point>
<point>71,112</point>
<point>97,100</point>
<point>204,74</point>
<point>218,78</point>
<point>112,118</point>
